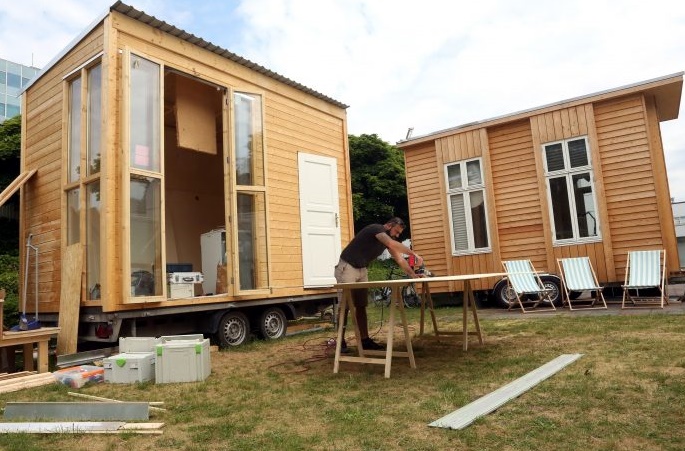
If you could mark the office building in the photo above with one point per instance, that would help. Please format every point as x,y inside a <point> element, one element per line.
<point>13,78</point>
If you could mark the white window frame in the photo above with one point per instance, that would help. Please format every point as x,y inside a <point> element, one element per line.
<point>465,190</point>
<point>568,172</point>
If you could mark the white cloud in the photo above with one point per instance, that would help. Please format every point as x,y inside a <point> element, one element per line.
<point>398,63</point>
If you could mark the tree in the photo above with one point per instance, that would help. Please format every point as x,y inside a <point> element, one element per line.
<point>10,149</point>
<point>378,181</point>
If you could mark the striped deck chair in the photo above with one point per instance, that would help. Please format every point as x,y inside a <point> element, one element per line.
<point>525,283</point>
<point>577,275</point>
<point>645,279</point>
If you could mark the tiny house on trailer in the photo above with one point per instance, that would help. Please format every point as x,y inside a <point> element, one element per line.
<point>179,187</point>
<point>581,177</point>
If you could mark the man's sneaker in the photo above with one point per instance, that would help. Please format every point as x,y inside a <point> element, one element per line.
<point>343,347</point>
<point>371,345</point>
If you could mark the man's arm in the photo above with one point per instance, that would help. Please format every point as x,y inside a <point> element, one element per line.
<point>396,250</point>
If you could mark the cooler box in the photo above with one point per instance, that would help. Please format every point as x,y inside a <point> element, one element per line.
<point>127,368</point>
<point>137,344</point>
<point>182,361</point>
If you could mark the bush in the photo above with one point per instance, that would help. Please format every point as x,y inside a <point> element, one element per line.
<point>9,280</point>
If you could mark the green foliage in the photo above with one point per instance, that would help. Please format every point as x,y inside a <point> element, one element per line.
<point>10,138</point>
<point>10,150</point>
<point>9,280</point>
<point>378,181</point>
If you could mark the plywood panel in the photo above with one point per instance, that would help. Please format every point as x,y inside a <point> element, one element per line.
<point>195,115</point>
<point>70,299</point>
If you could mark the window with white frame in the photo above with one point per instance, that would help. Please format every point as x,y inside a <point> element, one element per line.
<point>571,191</point>
<point>466,204</point>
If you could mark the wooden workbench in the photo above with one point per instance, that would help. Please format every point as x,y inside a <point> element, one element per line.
<point>27,339</point>
<point>366,356</point>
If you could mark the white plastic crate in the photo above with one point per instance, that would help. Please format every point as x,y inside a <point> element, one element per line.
<point>137,344</point>
<point>129,367</point>
<point>182,361</point>
<point>181,290</point>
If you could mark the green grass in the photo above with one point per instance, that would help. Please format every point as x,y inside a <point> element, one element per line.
<point>626,392</point>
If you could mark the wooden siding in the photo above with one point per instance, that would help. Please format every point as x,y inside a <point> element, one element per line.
<point>430,231</point>
<point>631,190</point>
<point>517,194</point>
<point>294,122</point>
<point>629,182</point>
<point>42,149</point>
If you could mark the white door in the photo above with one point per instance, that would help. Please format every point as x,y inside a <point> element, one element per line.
<point>320,219</point>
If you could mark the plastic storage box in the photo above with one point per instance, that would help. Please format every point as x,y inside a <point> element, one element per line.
<point>137,344</point>
<point>78,376</point>
<point>130,367</point>
<point>180,360</point>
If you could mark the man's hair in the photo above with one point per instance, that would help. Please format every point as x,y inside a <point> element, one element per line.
<point>396,221</point>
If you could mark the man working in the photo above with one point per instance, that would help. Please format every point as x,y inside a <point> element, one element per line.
<point>366,246</point>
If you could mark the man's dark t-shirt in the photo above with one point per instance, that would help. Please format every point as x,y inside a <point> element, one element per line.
<point>364,247</point>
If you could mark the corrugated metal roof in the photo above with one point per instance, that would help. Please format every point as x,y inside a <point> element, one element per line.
<point>152,21</point>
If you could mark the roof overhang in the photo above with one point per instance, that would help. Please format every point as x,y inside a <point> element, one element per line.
<point>666,90</point>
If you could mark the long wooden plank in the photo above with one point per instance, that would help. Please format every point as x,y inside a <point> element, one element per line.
<point>70,299</point>
<point>15,185</point>
<point>461,418</point>
<point>81,427</point>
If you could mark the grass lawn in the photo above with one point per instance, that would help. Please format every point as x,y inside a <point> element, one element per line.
<point>627,392</point>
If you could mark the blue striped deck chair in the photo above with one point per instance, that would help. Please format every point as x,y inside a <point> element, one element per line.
<point>524,282</point>
<point>577,277</point>
<point>645,279</point>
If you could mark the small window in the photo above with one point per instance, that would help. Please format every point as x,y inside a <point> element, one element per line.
<point>467,207</point>
<point>571,193</point>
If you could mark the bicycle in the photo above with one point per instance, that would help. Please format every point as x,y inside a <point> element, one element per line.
<point>381,296</point>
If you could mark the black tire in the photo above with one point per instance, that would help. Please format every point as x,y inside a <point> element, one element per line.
<point>503,295</point>
<point>234,330</point>
<point>272,323</point>
<point>553,284</point>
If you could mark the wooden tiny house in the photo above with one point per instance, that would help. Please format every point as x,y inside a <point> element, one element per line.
<point>146,140</point>
<point>582,177</point>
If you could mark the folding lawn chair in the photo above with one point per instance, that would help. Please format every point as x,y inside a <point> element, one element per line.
<point>577,276</point>
<point>645,279</point>
<point>525,283</point>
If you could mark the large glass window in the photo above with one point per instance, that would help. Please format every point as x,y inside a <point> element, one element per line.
<point>93,207</point>
<point>94,119</point>
<point>73,216</point>
<point>249,154</point>
<point>144,112</point>
<point>570,185</point>
<point>145,188</point>
<point>84,151</point>
<point>146,236</point>
<point>466,203</point>
<point>250,192</point>
<point>252,250</point>
<point>74,130</point>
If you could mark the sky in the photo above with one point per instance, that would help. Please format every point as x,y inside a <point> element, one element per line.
<point>403,64</point>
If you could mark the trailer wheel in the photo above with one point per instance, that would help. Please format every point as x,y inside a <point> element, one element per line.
<point>503,294</point>
<point>273,323</point>
<point>234,329</point>
<point>553,284</point>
